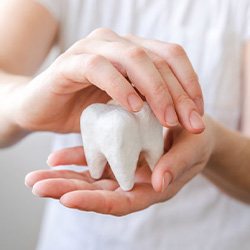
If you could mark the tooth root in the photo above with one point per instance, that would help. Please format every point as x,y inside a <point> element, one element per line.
<point>96,162</point>
<point>153,156</point>
<point>123,169</point>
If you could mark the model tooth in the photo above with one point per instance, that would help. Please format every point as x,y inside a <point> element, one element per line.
<point>113,134</point>
<point>96,162</point>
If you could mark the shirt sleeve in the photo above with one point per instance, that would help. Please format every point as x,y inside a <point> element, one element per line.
<point>54,7</point>
<point>247,23</point>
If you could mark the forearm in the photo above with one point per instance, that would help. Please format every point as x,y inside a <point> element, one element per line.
<point>10,86</point>
<point>229,165</point>
<point>27,32</point>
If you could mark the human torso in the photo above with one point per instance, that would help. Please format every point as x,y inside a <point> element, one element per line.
<point>199,216</point>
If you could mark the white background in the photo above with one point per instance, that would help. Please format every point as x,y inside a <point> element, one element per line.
<point>20,211</point>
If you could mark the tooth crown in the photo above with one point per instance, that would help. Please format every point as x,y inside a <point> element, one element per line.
<point>112,134</point>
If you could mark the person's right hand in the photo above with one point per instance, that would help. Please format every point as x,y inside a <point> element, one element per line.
<point>105,65</point>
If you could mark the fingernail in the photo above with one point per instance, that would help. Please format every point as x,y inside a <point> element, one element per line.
<point>167,178</point>
<point>35,192</point>
<point>26,183</point>
<point>135,102</point>
<point>49,161</point>
<point>196,120</point>
<point>171,117</point>
<point>199,104</point>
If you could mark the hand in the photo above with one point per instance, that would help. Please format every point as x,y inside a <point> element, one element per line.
<point>185,156</point>
<point>105,65</point>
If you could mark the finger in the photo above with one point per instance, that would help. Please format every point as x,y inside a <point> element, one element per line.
<point>180,64</point>
<point>67,156</point>
<point>107,184</point>
<point>153,45</point>
<point>55,188</point>
<point>74,156</point>
<point>168,139</point>
<point>186,108</point>
<point>97,70</point>
<point>112,202</point>
<point>39,175</point>
<point>105,34</point>
<point>180,158</point>
<point>142,73</point>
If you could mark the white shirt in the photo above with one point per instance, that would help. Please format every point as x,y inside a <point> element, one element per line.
<point>200,216</point>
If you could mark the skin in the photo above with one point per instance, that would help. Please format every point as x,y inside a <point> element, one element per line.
<point>80,191</point>
<point>216,159</point>
<point>71,83</point>
<point>245,128</point>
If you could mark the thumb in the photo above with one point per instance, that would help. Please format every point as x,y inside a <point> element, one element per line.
<point>174,163</point>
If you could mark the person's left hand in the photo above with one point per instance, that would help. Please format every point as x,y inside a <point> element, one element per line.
<point>185,156</point>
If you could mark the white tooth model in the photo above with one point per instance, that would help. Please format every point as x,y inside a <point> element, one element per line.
<point>112,134</point>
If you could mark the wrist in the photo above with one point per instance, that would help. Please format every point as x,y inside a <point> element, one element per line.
<point>224,142</point>
<point>213,129</point>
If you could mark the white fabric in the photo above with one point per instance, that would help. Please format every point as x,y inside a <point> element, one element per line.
<point>199,216</point>
<point>54,7</point>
